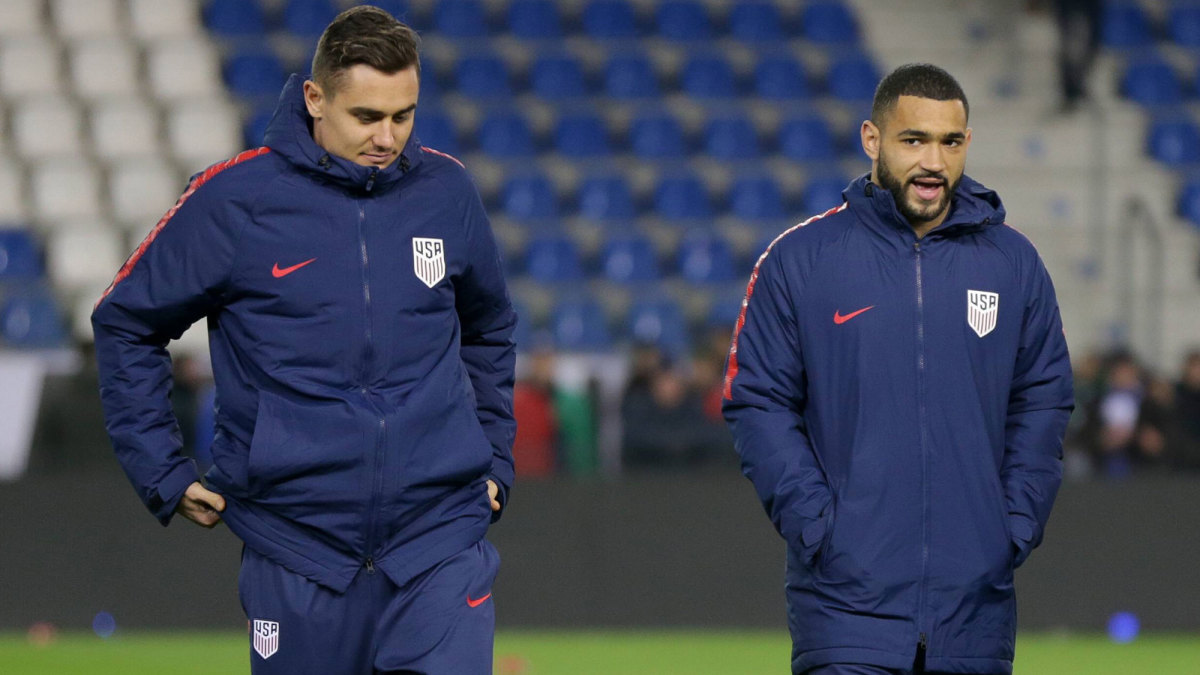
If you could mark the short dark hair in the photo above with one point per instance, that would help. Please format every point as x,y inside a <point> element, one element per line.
<point>366,35</point>
<point>915,79</point>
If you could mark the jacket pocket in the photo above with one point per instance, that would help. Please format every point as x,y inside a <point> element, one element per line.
<point>304,448</point>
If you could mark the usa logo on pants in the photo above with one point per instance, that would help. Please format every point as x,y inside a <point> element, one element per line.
<point>429,260</point>
<point>266,637</point>
<point>982,310</point>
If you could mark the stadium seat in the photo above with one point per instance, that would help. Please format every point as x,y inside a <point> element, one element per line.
<point>853,77</point>
<point>12,193</point>
<point>255,73</point>
<point>659,322</point>
<point>30,319</point>
<point>828,22</point>
<point>582,136</point>
<point>529,197</point>
<point>436,130</point>
<point>65,189</point>
<point>731,138</point>
<point>84,259</point>
<point>47,127</point>
<point>780,77</point>
<point>155,18</point>
<point>756,21</point>
<point>29,66</point>
<point>756,198</point>
<point>460,19</point>
<point>630,75</point>
<point>708,76</point>
<point>124,127</point>
<point>553,259</point>
<point>610,19</point>
<point>706,258</point>
<point>579,324</point>
<point>1124,25</point>
<point>142,190</point>
<point>179,69</point>
<point>254,128</point>
<point>807,139</point>
<point>629,259</point>
<point>1151,81</point>
<point>725,308</point>
<point>1174,141</point>
<point>823,193</point>
<point>20,256</point>
<point>606,198</point>
<point>682,195</point>
<point>431,82</point>
<point>657,136</point>
<point>534,20</point>
<point>308,18</point>
<point>104,67</point>
<point>235,18</point>
<point>557,77</point>
<point>482,76</point>
<point>1188,205</point>
<point>20,17</point>
<point>683,21</point>
<point>203,132</point>
<point>74,19</point>
<point>1183,23</point>
<point>506,135</point>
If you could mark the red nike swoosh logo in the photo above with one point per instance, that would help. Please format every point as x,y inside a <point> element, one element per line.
<point>280,273</point>
<point>840,319</point>
<point>476,603</point>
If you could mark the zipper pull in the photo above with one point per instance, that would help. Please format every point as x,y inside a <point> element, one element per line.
<point>371,569</point>
<point>371,179</point>
<point>922,646</point>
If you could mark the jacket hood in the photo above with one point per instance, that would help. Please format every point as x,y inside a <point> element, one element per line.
<point>973,207</point>
<point>290,134</point>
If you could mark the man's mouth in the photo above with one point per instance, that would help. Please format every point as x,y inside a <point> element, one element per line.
<point>378,157</point>
<point>928,189</point>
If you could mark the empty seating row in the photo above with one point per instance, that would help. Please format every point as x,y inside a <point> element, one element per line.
<point>73,19</point>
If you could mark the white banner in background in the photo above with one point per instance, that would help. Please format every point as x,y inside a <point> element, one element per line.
<point>21,378</point>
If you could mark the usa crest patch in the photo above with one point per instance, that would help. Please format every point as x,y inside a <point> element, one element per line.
<point>983,307</point>
<point>266,637</point>
<point>429,260</point>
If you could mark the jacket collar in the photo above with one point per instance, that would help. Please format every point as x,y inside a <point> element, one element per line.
<point>973,207</point>
<point>290,134</point>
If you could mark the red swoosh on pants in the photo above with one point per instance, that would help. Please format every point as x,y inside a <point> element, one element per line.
<point>476,603</point>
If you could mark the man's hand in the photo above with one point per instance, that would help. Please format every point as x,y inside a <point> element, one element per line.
<point>493,490</point>
<point>203,506</point>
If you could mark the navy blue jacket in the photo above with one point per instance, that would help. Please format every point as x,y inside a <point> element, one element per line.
<point>364,388</point>
<point>899,406</point>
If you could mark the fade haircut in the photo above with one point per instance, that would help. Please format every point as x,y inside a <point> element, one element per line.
<point>366,35</point>
<point>915,79</point>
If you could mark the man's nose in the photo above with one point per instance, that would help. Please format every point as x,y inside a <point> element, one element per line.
<point>383,136</point>
<point>934,158</point>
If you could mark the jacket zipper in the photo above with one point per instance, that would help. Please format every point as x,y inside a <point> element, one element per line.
<point>375,473</point>
<point>922,640</point>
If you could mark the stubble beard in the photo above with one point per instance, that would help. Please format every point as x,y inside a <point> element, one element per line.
<point>915,215</point>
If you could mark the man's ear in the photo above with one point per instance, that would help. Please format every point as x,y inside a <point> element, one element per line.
<point>314,99</point>
<point>871,138</point>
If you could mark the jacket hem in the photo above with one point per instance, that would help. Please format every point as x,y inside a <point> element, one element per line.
<point>968,664</point>
<point>860,655</point>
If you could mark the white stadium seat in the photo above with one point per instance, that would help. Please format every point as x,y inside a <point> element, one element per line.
<point>12,196</point>
<point>20,17</point>
<point>84,259</point>
<point>64,189</point>
<point>125,127</point>
<point>85,18</point>
<point>185,68</point>
<point>29,65</point>
<point>47,127</point>
<point>203,132</point>
<point>142,190</point>
<point>103,67</point>
<point>152,19</point>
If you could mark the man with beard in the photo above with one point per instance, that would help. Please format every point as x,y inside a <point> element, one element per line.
<point>898,388</point>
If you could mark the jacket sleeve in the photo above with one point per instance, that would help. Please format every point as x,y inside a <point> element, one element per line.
<point>1039,405</point>
<point>488,349</point>
<point>174,278</point>
<point>764,406</point>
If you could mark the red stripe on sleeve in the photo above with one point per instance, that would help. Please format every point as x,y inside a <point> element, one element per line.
<point>442,154</point>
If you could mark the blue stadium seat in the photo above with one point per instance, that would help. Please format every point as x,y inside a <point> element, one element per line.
<point>580,324</point>
<point>529,197</point>
<point>756,198</point>
<point>706,259</point>
<point>780,77</point>
<point>308,18</point>
<point>235,18</point>
<point>853,77</point>
<point>557,77</point>
<point>606,198</point>
<point>30,318</point>
<point>582,136</point>
<point>629,259</point>
<point>610,19</point>
<point>1151,81</point>
<point>657,136</point>
<point>659,322</point>
<point>436,130</point>
<point>431,86</point>
<point>1183,23</point>
<point>683,21</point>
<point>534,20</point>
<point>1174,141</point>
<point>823,193</point>
<point>506,135</point>
<point>1124,25</point>
<point>682,195</point>
<point>708,76</point>
<point>807,139</point>
<point>460,19</point>
<point>725,308</point>
<point>254,129</point>
<point>20,256</point>
<point>731,138</point>
<point>255,72</point>
<point>1188,205</point>
<point>553,259</point>
<point>483,76</point>
<point>828,22</point>
<point>630,75</point>
<point>756,21</point>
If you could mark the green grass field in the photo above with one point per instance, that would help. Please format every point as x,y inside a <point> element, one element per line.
<point>580,653</point>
